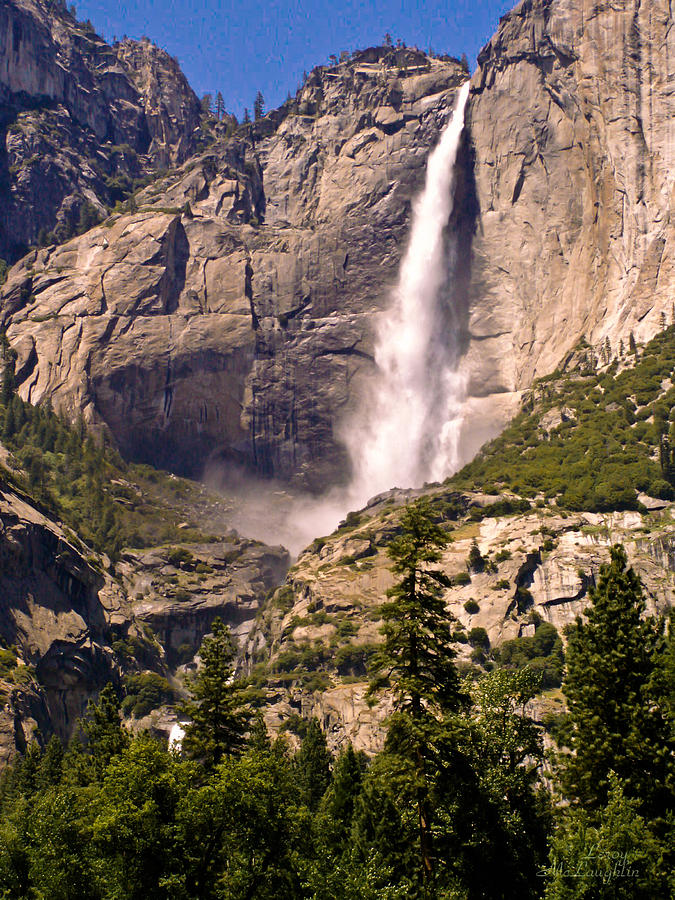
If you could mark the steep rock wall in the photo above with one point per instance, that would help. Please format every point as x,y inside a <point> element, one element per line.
<point>231,315</point>
<point>75,115</point>
<point>573,136</point>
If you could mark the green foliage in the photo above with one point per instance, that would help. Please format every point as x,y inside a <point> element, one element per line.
<point>615,856</point>
<point>145,692</point>
<point>598,459</point>
<point>284,599</point>
<point>82,481</point>
<point>7,661</point>
<point>354,659</point>
<point>471,607</point>
<point>313,764</point>
<point>475,561</point>
<point>460,579</point>
<point>542,653</point>
<point>89,217</point>
<point>478,637</point>
<point>181,558</point>
<point>218,712</point>
<point>102,728</point>
<point>417,655</point>
<point>620,722</point>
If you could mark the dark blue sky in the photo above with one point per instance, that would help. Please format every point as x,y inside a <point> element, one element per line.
<point>242,47</point>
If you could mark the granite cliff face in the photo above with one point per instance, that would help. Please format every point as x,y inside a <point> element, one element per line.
<point>79,118</point>
<point>69,623</point>
<point>573,134</point>
<point>232,313</point>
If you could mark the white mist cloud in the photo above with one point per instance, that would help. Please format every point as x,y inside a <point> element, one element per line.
<point>407,429</point>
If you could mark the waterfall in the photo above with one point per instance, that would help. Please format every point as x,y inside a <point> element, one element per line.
<point>407,427</point>
<point>407,430</point>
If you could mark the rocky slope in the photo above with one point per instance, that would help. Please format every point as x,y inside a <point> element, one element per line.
<point>79,120</point>
<point>57,617</point>
<point>70,623</point>
<point>572,129</point>
<point>319,630</point>
<point>231,315</point>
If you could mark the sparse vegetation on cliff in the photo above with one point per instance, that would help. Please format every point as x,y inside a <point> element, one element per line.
<point>608,440</point>
<point>86,483</point>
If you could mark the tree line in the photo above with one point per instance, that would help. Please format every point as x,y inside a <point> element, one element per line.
<point>463,801</point>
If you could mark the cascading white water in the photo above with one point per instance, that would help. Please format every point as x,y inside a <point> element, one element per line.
<point>407,431</point>
<point>407,428</point>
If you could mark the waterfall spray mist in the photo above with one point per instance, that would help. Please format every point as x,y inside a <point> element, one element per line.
<point>407,431</point>
<point>407,428</point>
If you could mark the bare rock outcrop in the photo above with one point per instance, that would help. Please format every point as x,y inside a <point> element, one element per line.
<point>539,565</point>
<point>79,118</point>
<point>572,123</point>
<point>58,614</point>
<point>231,314</point>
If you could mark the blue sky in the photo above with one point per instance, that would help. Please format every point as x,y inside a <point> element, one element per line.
<point>240,48</point>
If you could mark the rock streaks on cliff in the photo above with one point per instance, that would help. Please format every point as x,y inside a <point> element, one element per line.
<point>572,123</point>
<point>230,315</point>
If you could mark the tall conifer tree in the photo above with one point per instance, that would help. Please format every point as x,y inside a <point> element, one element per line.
<point>218,711</point>
<point>417,658</point>
<point>620,722</point>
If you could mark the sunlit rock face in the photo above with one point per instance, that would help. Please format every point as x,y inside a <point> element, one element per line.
<point>231,316</point>
<point>79,118</point>
<point>572,124</point>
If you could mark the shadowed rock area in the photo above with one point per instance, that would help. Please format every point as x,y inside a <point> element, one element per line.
<point>231,315</point>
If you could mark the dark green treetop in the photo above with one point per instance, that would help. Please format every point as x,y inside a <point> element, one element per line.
<point>417,657</point>
<point>620,721</point>
<point>218,711</point>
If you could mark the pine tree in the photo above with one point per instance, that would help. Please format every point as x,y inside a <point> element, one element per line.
<point>611,856</point>
<point>9,427</point>
<point>8,382</point>
<point>219,713</point>
<point>220,106</point>
<point>247,118</point>
<point>618,722</point>
<point>259,739</point>
<point>417,658</point>
<point>106,737</point>
<point>259,106</point>
<point>632,346</point>
<point>51,765</point>
<point>313,764</point>
<point>337,805</point>
<point>475,561</point>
